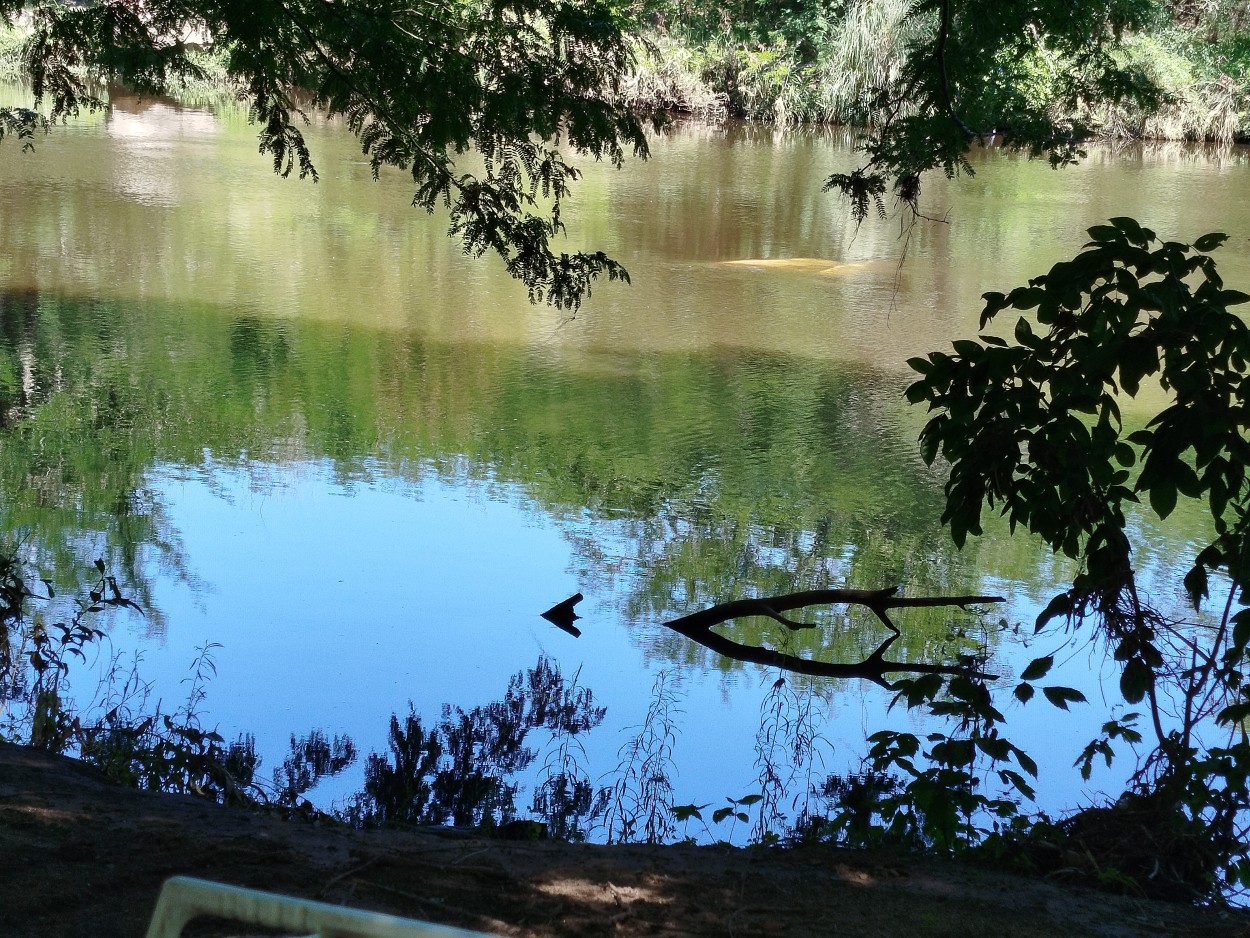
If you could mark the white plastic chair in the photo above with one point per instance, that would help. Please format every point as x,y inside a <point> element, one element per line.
<point>184,898</point>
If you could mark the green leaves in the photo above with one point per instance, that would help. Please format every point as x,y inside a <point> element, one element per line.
<point>1209,242</point>
<point>1032,428</point>
<point>1122,728</point>
<point>22,123</point>
<point>734,808</point>
<point>917,691</point>
<point>686,812</point>
<point>1135,234</point>
<point>420,86</point>
<point>1102,233</point>
<point>1136,680</point>
<point>1163,498</point>
<point>971,71</point>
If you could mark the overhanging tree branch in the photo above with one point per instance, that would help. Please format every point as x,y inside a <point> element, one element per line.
<point>698,628</point>
<point>420,85</point>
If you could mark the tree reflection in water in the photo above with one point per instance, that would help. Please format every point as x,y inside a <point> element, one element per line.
<point>463,769</point>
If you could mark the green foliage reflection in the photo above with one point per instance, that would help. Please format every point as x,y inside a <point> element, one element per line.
<point>721,473</point>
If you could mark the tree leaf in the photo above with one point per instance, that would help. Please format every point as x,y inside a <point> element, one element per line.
<point>997,749</point>
<point>1061,696</point>
<point>1132,229</point>
<point>1026,762</point>
<point>917,392</point>
<point>1038,667</point>
<point>1059,606</point>
<point>1234,713</point>
<point>1209,242</point>
<point>1024,334</point>
<point>1016,780</point>
<point>1135,680</point>
<point>1163,497</point>
<point>684,812</point>
<point>1104,233</point>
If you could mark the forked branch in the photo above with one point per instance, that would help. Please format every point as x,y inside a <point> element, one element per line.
<point>698,627</point>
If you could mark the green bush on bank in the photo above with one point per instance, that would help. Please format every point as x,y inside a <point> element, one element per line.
<point>11,40</point>
<point>1202,101</point>
<point>795,65</point>
<point>810,67</point>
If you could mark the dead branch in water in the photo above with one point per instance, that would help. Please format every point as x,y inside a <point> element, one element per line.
<point>698,628</point>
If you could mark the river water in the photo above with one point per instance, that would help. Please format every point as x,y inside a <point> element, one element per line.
<point>300,425</point>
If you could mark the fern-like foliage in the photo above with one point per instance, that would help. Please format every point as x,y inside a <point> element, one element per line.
<point>22,123</point>
<point>421,85</point>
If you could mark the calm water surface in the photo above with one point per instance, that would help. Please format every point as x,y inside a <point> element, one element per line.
<point>305,428</point>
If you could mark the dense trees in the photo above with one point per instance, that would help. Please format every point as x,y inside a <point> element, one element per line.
<point>926,79</point>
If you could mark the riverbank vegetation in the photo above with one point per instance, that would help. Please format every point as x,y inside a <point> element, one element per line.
<point>828,62</point>
<point>813,61</point>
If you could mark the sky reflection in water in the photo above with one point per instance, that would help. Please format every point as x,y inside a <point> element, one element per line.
<point>363,465</point>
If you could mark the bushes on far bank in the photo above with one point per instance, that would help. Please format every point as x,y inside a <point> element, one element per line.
<point>827,68</point>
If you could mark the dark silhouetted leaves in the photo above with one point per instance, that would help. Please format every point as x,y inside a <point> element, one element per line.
<point>1062,696</point>
<point>1038,667</point>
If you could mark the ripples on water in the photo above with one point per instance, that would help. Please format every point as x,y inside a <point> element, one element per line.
<point>306,428</point>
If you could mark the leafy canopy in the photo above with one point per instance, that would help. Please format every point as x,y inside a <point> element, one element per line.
<point>419,84</point>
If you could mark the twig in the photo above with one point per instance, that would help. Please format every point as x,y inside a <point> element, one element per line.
<point>698,627</point>
<point>469,855</point>
<point>347,873</point>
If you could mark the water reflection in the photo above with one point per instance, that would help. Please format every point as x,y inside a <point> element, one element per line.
<point>305,399</point>
<point>729,475</point>
<point>463,769</point>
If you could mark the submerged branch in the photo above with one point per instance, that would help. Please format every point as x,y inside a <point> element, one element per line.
<point>698,627</point>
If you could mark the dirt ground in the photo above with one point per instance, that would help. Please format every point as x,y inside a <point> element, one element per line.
<point>80,856</point>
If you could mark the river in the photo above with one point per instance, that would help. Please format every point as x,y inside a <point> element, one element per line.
<point>298,424</point>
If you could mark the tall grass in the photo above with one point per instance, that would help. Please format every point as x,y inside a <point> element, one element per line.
<point>825,78</point>
<point>11,40</point>
<point>670,75</point>
<point>1202,102</point>
<point>839,63</point>
<point>865,53</point>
